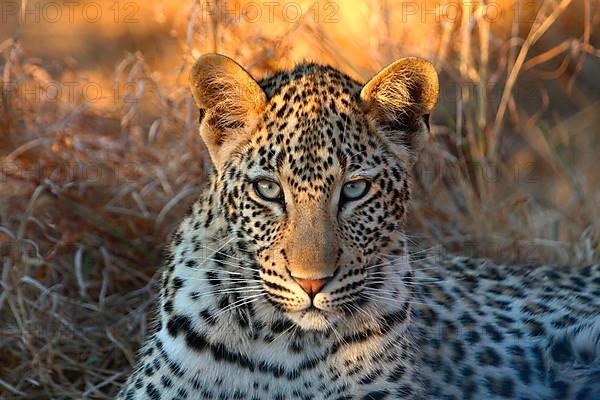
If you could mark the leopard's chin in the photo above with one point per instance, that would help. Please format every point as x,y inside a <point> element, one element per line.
<point>314,319</point>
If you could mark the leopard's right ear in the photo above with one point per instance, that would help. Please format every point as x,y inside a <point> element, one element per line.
<point>230,103</point>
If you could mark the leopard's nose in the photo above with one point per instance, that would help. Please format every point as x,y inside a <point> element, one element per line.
<point>311,286</point>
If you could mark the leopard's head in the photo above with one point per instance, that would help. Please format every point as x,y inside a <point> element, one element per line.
<point>312,174</point>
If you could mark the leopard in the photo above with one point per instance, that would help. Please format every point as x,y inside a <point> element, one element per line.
<point>291,277</point>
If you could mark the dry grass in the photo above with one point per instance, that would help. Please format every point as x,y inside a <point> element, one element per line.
<point>89,191</point>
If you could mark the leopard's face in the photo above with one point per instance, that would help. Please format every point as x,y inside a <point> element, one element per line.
<point>315,197</point>
<point>319,199</point>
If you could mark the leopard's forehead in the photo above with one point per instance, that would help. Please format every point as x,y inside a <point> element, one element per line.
<point>307,80</point>
<point>316,100</point>
<point>313,129</point>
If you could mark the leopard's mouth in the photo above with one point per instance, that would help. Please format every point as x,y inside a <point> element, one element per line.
<point>313,318</point>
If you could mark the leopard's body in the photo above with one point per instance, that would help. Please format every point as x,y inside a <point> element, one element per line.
<point>237,319</point>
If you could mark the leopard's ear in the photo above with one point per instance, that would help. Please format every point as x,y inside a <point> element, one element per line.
<point>398,100</point>
<point>230,103</point>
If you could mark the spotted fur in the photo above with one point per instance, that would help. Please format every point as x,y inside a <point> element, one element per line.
<point>233,322</point>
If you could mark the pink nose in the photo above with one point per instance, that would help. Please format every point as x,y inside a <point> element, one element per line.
<point>311,286</point>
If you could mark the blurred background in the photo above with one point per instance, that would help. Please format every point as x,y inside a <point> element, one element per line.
<point>100,156</point>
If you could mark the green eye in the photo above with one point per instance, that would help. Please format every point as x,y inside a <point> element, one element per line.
<point>354,190</point>
<point>268,190</point>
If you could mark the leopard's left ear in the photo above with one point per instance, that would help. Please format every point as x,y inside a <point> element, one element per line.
<point>398,100</point>
<point>230,103</point>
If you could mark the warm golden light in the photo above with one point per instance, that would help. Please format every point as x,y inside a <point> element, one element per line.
<point>100,156</point>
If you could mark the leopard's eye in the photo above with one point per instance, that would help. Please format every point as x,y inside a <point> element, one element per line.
<point>354,190</point>
<point>268,190</point>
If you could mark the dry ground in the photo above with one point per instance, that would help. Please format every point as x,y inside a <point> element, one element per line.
<point>100,157</point>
